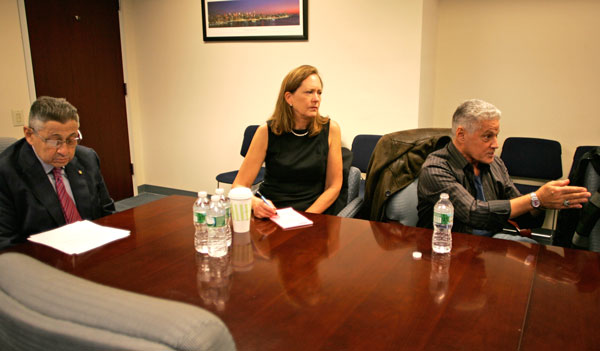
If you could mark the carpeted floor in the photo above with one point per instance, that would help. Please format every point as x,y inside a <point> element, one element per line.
<point>135,201</point>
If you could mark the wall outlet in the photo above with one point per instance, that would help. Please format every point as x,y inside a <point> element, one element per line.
<point>18,118</point>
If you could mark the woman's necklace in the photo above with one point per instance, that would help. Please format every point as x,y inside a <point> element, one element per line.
<point>299,134</point>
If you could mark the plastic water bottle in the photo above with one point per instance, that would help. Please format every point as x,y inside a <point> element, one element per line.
<point>443,218</point>
<point>227,205</point>
<point>216,221</point>
<point>201,235</point>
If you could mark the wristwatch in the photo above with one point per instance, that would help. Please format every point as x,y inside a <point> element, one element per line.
<point>535,202</point>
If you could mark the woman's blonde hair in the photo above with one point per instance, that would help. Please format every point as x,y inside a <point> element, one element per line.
<point>282,120</point>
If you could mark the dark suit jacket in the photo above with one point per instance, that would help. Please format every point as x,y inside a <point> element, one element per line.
<point>28,202</point>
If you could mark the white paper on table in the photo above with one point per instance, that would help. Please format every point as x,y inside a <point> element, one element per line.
<point>78,237</point>
<point>288,218</point>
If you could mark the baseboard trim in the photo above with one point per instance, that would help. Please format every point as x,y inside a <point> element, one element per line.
<point>147,188</point>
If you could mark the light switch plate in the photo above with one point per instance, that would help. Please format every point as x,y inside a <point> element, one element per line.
<point>18,118</point>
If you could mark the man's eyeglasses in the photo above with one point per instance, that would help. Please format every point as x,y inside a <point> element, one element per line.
<point>57,143</point>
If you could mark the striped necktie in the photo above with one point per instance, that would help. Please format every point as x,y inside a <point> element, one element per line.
<point>67,204</point>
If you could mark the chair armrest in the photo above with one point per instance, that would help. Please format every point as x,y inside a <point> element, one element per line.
<point>351,208</point>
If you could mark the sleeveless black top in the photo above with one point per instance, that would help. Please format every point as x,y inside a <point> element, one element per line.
<point>295,168</point>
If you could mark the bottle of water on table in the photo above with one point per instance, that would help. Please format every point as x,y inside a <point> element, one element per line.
<point>227,205</point>
<point>201,233</point>
<point>216,221</point>
<point>443,218</point>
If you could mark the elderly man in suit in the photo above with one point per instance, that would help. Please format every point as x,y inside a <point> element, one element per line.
<point>46,178</point>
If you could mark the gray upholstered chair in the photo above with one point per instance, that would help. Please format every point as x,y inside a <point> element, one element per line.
<point>394,165</point>
<point>6,142</point>
<point>43,308</point>
<point>354,200</point>
<point>402,207</point>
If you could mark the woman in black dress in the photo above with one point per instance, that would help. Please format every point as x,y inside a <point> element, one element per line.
<point>300,148</point>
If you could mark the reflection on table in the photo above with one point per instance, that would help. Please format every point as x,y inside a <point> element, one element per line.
<point>349,284</point>
<point>214,279</point>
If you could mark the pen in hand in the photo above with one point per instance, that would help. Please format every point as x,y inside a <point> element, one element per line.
<point>264,199</point>
<point>264,236</point>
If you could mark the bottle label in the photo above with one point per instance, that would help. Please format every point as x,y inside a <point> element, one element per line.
<point>199,217</point>
<point>218,221</point>
<point>442,218</point>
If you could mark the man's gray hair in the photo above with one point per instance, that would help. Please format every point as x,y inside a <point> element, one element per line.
<point>47,108</point>
<point>472,112</point>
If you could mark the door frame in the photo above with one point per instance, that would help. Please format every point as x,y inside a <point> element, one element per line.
<point>31,80</point>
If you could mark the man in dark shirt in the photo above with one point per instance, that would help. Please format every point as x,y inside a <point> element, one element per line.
<point>481,191</point>
<point>46,178</point>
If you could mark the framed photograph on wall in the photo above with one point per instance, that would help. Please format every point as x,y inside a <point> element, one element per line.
<point>224,20</point>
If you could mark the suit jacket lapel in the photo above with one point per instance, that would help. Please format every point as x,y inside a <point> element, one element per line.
<point>37,179</point>
<point>77,175</point>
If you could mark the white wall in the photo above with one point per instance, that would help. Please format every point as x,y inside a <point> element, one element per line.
<point>387,65</point>
<point>190,100</point>
<point>536,60</point>
<point>13,78</point>
<point>428,63</point>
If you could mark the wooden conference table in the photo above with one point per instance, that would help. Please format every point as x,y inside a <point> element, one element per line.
<point>349,284</point>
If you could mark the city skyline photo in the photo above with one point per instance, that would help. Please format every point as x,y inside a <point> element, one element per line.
<point>253,13</point>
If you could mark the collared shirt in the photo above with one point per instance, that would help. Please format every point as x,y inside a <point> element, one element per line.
<point>447,171</point>
<point>48,168</point>
<point>480,196</point>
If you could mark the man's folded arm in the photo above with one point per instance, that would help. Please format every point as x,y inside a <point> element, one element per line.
<point>107,203</point>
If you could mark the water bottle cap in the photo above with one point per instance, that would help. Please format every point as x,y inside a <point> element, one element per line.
<point>202,194</point>
<point>220,191</point>
<point>444,196</point>
<point>215,198</point>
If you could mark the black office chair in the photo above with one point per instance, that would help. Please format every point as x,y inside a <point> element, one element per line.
<point>534,159</point>
<point>362,148</point>
<point>229,177</point>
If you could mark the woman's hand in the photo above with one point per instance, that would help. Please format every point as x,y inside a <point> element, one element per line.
<point>261,209</point>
